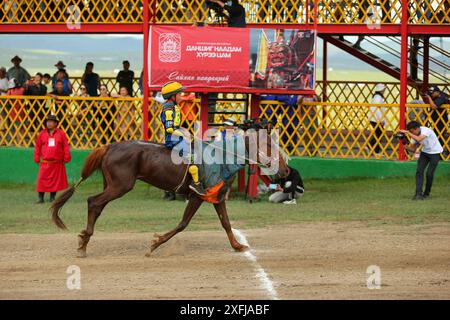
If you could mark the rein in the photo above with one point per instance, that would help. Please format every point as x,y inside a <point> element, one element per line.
<point>182,181</point>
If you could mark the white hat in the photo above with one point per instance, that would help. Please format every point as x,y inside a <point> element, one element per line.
<point>229,122</point>
<point>380,87</point>
<point>12,83</point>
<point>159,98</point>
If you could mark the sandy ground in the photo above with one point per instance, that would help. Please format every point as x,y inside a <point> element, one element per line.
<point>308,261</point>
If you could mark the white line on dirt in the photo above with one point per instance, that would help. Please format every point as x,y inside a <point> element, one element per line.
<point>260,273</point>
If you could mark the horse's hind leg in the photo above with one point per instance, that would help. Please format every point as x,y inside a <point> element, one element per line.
<point>191,208</point>
<point>223,216</point>
<point>95,206</point>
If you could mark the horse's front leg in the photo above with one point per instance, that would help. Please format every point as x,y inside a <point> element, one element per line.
<point>191,208</point>
<point>223,216</point>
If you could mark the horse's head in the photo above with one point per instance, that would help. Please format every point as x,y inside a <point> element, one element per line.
<point>263,148</point>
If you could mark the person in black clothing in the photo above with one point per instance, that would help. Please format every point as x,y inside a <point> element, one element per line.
<point>236,11</point>
<point>288,189</point>
<point>439,114</point>
<point>91,80</point>
<point>125,78</point>
<point>61,105</point>
<point>413,60</point>
<point>36,88</point>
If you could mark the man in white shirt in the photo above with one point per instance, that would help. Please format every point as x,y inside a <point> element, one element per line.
<point>376,118</point>
<point>430,155</point>
<point>3,81</point>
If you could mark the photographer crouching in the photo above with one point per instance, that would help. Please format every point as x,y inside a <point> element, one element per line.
<point>429,156</point>
<point>236,12</point>
<point>288,189</point>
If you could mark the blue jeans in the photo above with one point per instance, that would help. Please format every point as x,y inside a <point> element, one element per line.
<point>178,143</point>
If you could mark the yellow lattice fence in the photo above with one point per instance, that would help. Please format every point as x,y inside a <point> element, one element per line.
<point>429,12</point>
<point>336,130</point>
<point>353,91</point>
<point>111,84</point>
<point>71,11</point>
<point>340,130</point>
<point>88,122</point>
<point>191,11</point>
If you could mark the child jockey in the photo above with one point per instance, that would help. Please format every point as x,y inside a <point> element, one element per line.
<point>171,118</point>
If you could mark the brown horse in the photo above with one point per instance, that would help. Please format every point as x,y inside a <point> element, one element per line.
<point>125,162</point>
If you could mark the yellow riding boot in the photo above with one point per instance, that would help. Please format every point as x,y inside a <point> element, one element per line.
<point>195,185</point>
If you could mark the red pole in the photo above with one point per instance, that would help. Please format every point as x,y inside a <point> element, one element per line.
<point>254,105</point>
<point>145,80</point>
<point>315,15</point>
<point>307,12</point>
<point>203,112</point>
<point>403,74</point>
<point>325,71</point>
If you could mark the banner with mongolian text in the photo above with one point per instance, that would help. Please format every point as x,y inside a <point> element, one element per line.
<point>218,58</point>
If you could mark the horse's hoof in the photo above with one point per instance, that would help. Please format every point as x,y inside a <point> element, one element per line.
<point>148,254</point>
<point>81,254</point>
<point>154,246</point>
<point>242,248</point>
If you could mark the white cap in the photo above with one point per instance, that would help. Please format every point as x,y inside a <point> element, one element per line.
<point>380,87</point>
<point>159,98</point>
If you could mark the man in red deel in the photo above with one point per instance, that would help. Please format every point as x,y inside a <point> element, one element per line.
<point>52,152</point>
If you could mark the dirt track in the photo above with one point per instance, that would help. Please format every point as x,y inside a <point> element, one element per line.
<point>309,261</point>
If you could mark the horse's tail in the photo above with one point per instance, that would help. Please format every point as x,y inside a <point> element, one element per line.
<point>92,163</point>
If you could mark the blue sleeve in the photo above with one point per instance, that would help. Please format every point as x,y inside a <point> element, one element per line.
<point>440,100</point>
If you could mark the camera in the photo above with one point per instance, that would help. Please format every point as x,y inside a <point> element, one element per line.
<point>399,136</point>
<point>218,10</point>
<point>257,124</point>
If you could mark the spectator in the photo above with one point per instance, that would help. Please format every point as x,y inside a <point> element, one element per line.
<point>105,115</point>
<point>429,156</point>
<point>82,92</point>
<point>376,118</point>
<point>438,113</point>
<point>363,6</point>
<point>3,91</point>
<point>413,61</point>
<point>91,80</point>
<point>46,79</point>
<point>17,114</point>
<point>17,72</point>
<point>60,65</point>
<point>60,104</point>
<point>125,121</point>
<point>288,189</point>
<point>52,152</point>
<point>35,87</point>
<point>67,86</point>
<point>36,109</point>
<point>125,78</point>
<point>290,118</point>
<point>3,81</point>
<point>83,114</point>
<point>236,11</point>
<point>227,131</point>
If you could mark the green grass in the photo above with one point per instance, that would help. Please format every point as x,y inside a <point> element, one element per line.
<point>374,201</point>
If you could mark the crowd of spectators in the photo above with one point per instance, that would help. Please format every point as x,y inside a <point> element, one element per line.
<point>107,114</point>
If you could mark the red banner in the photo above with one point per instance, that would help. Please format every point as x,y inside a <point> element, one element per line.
<point>233,59</point>
<point>199,56</point>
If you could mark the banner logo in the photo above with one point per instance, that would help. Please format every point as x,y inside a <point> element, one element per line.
<point>169,47</point>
